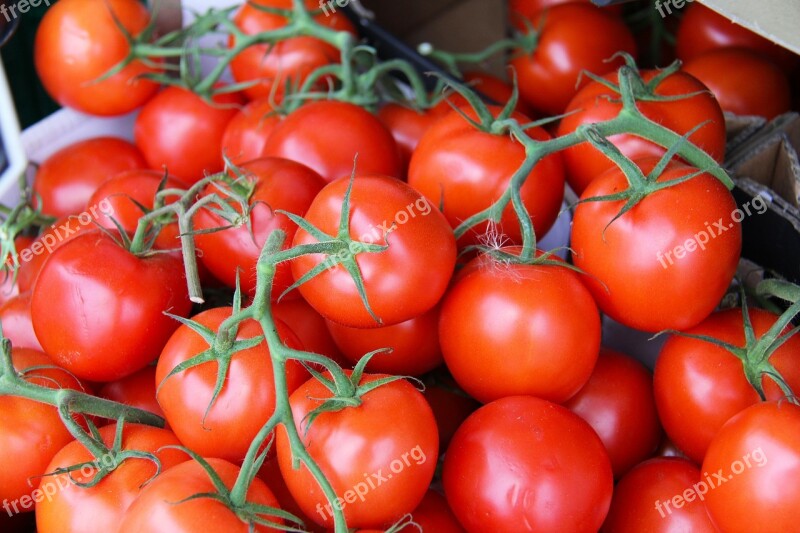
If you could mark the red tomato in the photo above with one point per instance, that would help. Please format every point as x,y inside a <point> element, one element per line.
<point>287,61</point>
<point>754,465</point>
<point>313,135</point>
<point>98,310</point>
<point>451,406</point>
<point>309,326</point>
<point>246,401</point>
<point>526,463</point>
<point>15,316</point>
<point>661,495</point>
<point>414,344</point>
<point>618,403</point>
<point>529,9</point>
<point>68,508</point>
<point>246,134</point>
<point>66,179</point>
<point>180,131</point>
<point>573,37</point>
<point>597,103</point>
<point>508,329</point>
<point>699,386</point>
<point>407,127</point>
<point>37,251</point>
<point>138,390</point>
<point>743,82</point>
<point>401,282</point>
<point>78,41</point>
<point>379,457</point>
<point>166,500</point>
<point>466,170</point>
<point>648,269</point>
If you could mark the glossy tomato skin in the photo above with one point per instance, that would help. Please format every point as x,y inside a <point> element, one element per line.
<point>523,463</point>
<point>246,401</point>
<point>379,457</point>
<point>597,103</point>
<point>510,329</point>
<point>289,60</point>
<point>98,310</point>
<point>699,386</point>
<point>573,37</point>
<point>57,234</point>
<point>247,132</point>
<point>66,179</point>
<point>309,326</point>
<point>407,126</point>
<point>421,242</point>
<point>618,403</point>
<point>312,135</point>
<point>743,82</point>
<point>758,451</point>
<point>643,500</point>
<point>78,41</point>
<point>280,184</point>
<point>138,390</point>
<point>73,509</point>
<point>654,249</point>
<point>156,504</point>
<point>180,131</point>
<point>15,316</point>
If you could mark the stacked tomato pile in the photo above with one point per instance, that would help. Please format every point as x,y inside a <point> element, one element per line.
<point>303,301</point>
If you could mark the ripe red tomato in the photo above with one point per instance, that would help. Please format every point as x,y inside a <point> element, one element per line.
<point>247,398</point>
<point>618,403</point>
<point>466,170</point>
<point>246,134</point>
<point>667,262</point>
<point>66,179</point>
<point>526,463</point>
<point>401,282</point>
<point>78,41</point>
<point>699,386</point>
<point>15,316</point>
<point>573,37</point>
<point>744,82</point>
<point>167,500</point>
<point>661,495</point>
<point>180,131</point>
<point>138,390</point>
<point>508,329</point>
<point>596,103</point>
<point>68,508</point>
<point>754,463</point>
<point>312,135</point>
<point>309,326</point>
<point>379,457</point>
<point>98,310</point>
<point>287,61</point>
<point>407,126</point>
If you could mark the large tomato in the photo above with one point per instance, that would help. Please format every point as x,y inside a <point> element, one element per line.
<point>247,132</point>
<point>401,282</point>
<point>667,262</point>
<point>525,464</point>
<point>379,456</point>
<point>78,41</point>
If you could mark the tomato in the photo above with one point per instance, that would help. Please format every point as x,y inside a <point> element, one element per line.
<point>66,179</point>
<point>180,131</point>
<point>523,463</point>
<point>287,61</point>
<point>702,29</point>
<point>743,82</point>
<point>466,170</point>
<point>379,457</point>
<point>36,251</point>
<point>245,402</point>
<point>15,316</point>
<point>754,464</point>
<point>597,103</point>
<point>309,326</point>
<point>138,390</point>
<point>450,405</point>
<point>246,134</point>
<point>68,508</point>
<point>31,433</point>
<point>508,329</point>
<point>166,500</point>
<point>618,403</point>
<point>313,135</point>
<point>407,126</point>
<point>667,262</point>
<point>278,184</point>
<point>401,282</point>
<point>98,310</point>
<point>78,41</point>
<point>414,344</point>
<point>529,9</point>
<point>661,495</point>
<point>573,37</point>
<point>699,386</point>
